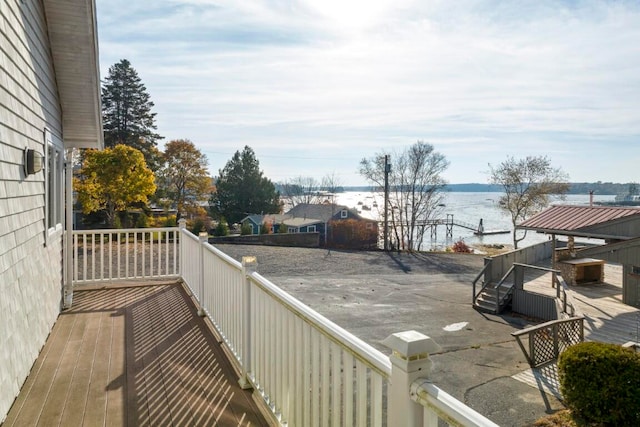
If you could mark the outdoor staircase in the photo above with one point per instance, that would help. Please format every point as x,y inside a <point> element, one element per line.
<point>485,301</point>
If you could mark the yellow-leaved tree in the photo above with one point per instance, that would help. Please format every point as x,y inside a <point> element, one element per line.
<point>113,180</point>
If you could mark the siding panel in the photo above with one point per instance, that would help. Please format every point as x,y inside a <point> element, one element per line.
<point>30,272</point>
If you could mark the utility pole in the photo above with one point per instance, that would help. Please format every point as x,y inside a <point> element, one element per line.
<point>387,169</point>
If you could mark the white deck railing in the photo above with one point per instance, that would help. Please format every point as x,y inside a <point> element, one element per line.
<point>308,370</point>
<point>108,255</point>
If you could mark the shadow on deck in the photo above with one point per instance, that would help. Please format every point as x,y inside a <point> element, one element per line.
<point>132,356</point>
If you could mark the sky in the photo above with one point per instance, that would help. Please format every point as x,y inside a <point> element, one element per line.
<point>314,86</point>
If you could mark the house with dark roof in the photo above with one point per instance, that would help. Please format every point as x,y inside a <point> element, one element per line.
<point>318,218</point>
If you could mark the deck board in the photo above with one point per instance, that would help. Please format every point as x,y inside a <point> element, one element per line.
<point>607,319</point>
<point>132,356</point>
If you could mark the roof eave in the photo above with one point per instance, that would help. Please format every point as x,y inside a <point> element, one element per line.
<point>74,47</point>
<point>574,233</point>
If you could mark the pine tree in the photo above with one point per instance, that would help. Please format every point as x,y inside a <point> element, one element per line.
<point>126,112</point>
<point>241,189</point>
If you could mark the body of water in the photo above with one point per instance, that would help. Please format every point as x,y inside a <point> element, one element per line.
<point>465,207</point>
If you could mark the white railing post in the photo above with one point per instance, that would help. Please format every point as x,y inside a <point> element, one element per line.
<point>409,361</point>
<point>249,265</point>
<point>204,238</point>
<point>182,226</point>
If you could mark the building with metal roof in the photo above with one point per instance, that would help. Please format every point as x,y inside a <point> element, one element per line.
<point>599,222</point>
<point>619,227</point>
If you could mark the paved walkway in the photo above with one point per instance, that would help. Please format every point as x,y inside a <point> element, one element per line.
<point>132,356</point>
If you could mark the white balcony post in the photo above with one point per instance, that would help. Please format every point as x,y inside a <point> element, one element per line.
<point>409,361</point>
<point>203,237</point>
<point>249,265</point>
<point>182,225</point>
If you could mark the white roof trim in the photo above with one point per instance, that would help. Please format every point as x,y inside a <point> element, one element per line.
<point>74,46</point>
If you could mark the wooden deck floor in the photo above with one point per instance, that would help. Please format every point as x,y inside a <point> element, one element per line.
<point>607,318</point>
<point>132,356</point>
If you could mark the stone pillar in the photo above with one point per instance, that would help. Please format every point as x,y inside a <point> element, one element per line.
<point>571,247</point>
<point>409,361</point>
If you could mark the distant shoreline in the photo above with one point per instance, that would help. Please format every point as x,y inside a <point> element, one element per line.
<point>599,188</point>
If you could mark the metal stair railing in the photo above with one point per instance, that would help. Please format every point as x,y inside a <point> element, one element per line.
<point>485,283</point>
<point>499,302</point>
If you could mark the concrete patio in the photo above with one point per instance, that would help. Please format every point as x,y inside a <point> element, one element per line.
<point>135,355</point>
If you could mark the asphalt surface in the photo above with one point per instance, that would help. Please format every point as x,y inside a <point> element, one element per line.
<point>373,294</point>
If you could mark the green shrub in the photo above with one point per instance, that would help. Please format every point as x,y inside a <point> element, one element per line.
<point>265,228</point>
<point>171,221</point>
<point>117,222</point>
<point>222,229</point>
<point>601,383</point>
<point>197,226</point>
<point>142,221</point>
<point>246,229</point>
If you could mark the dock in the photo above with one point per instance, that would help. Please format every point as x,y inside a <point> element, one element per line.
<point>449,222</point>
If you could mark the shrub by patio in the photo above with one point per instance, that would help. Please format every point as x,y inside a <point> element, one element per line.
<point>601,383</point>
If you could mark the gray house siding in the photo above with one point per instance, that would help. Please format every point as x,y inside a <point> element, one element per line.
<point>30,254</point>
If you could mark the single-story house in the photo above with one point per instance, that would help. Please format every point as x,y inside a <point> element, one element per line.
<point>50,98</point>
<point>315,218</point>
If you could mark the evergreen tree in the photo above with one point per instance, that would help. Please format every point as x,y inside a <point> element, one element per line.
<point>241,189</point>
<point>126,112</point>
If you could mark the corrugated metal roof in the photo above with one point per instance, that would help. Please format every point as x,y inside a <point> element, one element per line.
<point>575,218</point>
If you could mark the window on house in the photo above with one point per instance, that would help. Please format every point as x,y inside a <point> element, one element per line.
<point>635,270</point>
<point>344,213</point>
<point>54,188</point>
<point>292,230</point>
<point>311,229</point>
<point>369,226</point>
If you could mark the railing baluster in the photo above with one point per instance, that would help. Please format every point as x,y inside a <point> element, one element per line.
<point>306,370</point>
<point>93,257</point>
<point>315,378</point>
<point>326,377</point>
<point>75,258</point>
<point>361,394</point>
<point>347,365</point>
<point>336,384</point>
<point>119,267</point>
<point>376,399</point>
<point>297,393</point>
<point>101,256</point>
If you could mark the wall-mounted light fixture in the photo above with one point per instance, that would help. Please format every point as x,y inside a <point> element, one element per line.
<point>33,161</point>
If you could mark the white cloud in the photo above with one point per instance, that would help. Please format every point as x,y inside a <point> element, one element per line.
<point>350,78</point>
